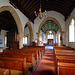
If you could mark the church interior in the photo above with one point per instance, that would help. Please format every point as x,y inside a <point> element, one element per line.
<point>37,37</point>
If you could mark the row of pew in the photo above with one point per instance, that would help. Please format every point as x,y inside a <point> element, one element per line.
<point>64,60</point>
<point>20,61</point>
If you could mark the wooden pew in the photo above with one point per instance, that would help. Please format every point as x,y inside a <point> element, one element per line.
<point>64,54</point>
<point>16,64</point>
<point>66,68</point>
<point>4,72</point>
<point>35,53</point>
<point>66,51</point>
<point>62,48</point>
<point>29,58</point>
<point>66,59</point>
<point>34,49</point>
<point>31,49</point>
<point>41,48</point>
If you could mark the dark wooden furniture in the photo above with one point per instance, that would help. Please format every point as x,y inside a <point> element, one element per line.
<point>66,68</point>
<point>4,72</point>
<point>64,57</point>
<point>12,40</point>
<point>18,64</point>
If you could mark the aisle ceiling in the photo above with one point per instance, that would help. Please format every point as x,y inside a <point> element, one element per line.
<point>49,25</point>
<point>27,7</point>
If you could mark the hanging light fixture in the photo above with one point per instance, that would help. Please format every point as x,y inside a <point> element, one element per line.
<point>40,14</point>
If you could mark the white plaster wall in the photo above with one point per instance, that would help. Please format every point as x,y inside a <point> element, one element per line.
<point>27,32</point>
<point>67,43</point>
<point>3,33</point>
<point>59,17</point>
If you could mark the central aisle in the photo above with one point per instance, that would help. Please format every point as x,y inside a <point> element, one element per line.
<point>46,66</point>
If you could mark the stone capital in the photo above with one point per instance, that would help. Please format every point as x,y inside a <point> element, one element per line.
<point>20,36</point>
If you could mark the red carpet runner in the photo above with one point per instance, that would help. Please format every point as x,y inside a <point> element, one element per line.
<point>46,66</point>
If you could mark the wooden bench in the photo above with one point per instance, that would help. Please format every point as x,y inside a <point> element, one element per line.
<point>29,58</point>
<point>63,48</point>
<point>66,68</point>
<point>41,48</point>
<point>64,59</point>
<point>16,64</point>
<point>4,72</point>
<point>64,55</point>
<point>35,53</point>
<point>66,51</point>
<point>34,49</point>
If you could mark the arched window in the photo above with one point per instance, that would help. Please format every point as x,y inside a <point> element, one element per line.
<point>71,31</point>
<point>25,40</point>
<point>5,40</point>
<point>50,35</point>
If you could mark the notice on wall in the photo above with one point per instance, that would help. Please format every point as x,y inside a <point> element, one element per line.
<point>1,42</point>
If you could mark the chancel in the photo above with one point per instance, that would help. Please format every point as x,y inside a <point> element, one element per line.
<point>37,37</point>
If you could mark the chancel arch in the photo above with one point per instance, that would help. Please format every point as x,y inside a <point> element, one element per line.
<point>17,20</point>
<point>59,26</point>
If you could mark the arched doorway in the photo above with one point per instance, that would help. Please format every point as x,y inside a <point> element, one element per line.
<point>53,19</point>
<point>30,32</point>
<point>17,20</point>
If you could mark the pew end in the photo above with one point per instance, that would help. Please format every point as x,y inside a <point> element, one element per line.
<point>66,69</point>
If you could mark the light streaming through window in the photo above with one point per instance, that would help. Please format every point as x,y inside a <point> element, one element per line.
<point>25,40</point>
<point>50,35</point>
<point>71,31</point>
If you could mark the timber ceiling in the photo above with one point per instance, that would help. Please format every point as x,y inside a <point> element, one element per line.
<point>27,7</point>
<point>7,22</point>
<point>49,25</point>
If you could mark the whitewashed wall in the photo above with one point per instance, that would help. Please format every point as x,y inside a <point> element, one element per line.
<point>67,43</point>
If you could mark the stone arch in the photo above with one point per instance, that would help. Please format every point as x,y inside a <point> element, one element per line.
<point>31,32</point>
<point>17,20</point>
<point>51,18</point>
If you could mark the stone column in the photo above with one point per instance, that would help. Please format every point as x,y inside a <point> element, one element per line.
<point>58,37</point>
<point>55,37</point>
<point>37,38</point>
<point>62,33</point>
<point>20,41</point>
<point>46,36</point>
